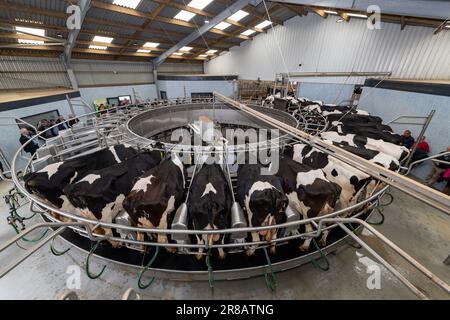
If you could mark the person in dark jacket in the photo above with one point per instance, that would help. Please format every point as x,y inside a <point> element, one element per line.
<point>32,147</point>
<point>62,124</point>
<point>422,150</point>
<point>72,120</point>
<point>438,168</point>
<point>407,140</point>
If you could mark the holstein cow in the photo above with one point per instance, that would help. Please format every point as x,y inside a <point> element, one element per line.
<point>264,200</point>
<point>49,182</point>
<point>398,152</point>
<point>99,195</point>
<point>155,196</point>
<point>352,181</point>
<point>309,192</point>
<point>209,204</point>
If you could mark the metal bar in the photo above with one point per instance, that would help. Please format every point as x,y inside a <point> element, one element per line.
<point>421,134</point>
<point>428,158</point>
<point>428,195</point>
<point>388,266</point>
<point>31,34</point>
<point>201,30</point>
<point>336,74</point>
<point>30,251</point>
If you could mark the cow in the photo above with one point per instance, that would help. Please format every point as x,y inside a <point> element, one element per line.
<point>155,196</point>
<point>209,204</point>
<point>380,158</point>
<point>309,192</point>
<point>354,140</point>
<point>99,195</point>
<point>49,182</point>
<point>352,181</point>
<point>264,201</point>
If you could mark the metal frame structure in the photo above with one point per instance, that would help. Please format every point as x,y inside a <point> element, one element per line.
<point>108,127</point>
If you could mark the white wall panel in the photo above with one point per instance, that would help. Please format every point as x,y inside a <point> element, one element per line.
<point>322,45</point>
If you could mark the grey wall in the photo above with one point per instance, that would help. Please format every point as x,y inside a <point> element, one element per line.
<point>326,92</point>
<point>146,92</point>
<point>176,88</point>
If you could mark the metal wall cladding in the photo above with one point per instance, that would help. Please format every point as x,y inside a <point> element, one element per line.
<point>96,72</point>
<point>323,45</point>
<point>30,72</point>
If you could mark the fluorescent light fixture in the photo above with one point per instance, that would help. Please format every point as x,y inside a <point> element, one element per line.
<point>151,44</point>
<point>211,51</point>
<point>34,31</point>
<point>102,39</point>
<point>357,15</point>
<point>177,53</point>
<point>263,24</point>
<point>92,46</point>
<point>144,51</point>
<point>186,49</point>
<point>330,11</point>
<point>238,15</point>
<point>199,4</point>
<point>248,32</point>
<point>184,15</point>
<point>222,25</point>
<point>127,3</point>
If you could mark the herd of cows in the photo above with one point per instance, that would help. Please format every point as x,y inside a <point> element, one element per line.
<point>150,185</point>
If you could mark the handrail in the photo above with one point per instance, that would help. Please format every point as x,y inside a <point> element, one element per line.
<point>412,164</point>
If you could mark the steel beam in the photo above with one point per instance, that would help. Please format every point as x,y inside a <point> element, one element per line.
<point>73,34</point>
<point>238,5</point>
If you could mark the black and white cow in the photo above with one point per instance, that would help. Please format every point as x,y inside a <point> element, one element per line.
<point>353,182</point>
<point>209,204</point>
<point>309,192</point>
<point>155,196</point>
<point>99,195</point>
<point>49,182</point>
<point>264,200</point>
<point>396,151</point>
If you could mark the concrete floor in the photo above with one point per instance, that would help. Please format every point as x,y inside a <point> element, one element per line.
<point>421,231</point>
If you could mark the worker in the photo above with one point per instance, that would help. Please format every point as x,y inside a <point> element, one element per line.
<point>422,150</point>
<point>25,136</point>
<point>407,140</point>
<point>438,168</point>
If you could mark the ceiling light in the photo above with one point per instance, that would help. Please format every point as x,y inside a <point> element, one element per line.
<point>33,31</point>
<point>222,25</point>
<point>92,46</point>
<point>248,32</point>
<point>177,54</point>
<point>211,51</point>
<point>151,44</point>
<point>144,51</point>
<point>199,4</point>
<point>203,56</point>
<point>102,39</point>
<point>357,15</point>
<point>330,11</point>
<point>186,49</point>
<point>263,24</point>
<point>127,3</point>
<point>184,15</point>
<point>238,15</point>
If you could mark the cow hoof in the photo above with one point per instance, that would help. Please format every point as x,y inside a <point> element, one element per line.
<point>303,248</point>
<point>171,249</point>
<point>250,252</point>
<point>273,250</point>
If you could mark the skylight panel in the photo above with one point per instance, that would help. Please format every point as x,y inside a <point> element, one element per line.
<point>144,51</point>
<point>263,24</point>
<point>33,31</point>
<point>102,39</point>
<point>151,44</point>
<point>248,32</point>
<point>212,51</point>
<point>238,15</point>
<point>222,25</point>
<point>186,49</point>
<point>127,3</point>
<point>199,4</point>
<point>177,54</point>
<point>92,46</point>
<point>203,56</point>
<point>184,15</point>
